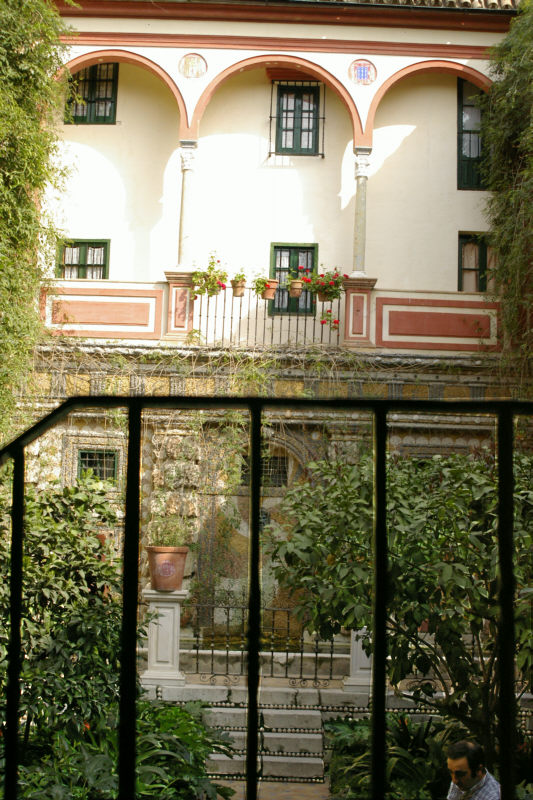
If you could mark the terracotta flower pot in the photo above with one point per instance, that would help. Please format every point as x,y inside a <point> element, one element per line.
<point>238,288</point>
<point>296,288</point>
<point>270,292</point>
<point>167,565</point>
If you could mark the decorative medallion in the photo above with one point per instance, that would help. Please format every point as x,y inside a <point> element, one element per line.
<point>362,72</point>
<point>192,66</point>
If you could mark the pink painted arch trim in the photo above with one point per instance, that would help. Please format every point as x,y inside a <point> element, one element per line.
<point>278,60</point>
<point>127,57</point>
<point>451,67</point>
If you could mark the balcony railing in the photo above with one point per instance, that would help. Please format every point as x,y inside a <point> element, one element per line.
<point>251,322</point>
<point>504,413</point>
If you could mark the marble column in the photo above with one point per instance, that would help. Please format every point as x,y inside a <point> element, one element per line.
<point>362,165</point>
<point>185,250</point>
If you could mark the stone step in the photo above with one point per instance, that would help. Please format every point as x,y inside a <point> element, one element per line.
<point>297,767</point>
<point>282,743</point>
<point>270,766</point>
<point>290,719</point>
<point>277,719</point>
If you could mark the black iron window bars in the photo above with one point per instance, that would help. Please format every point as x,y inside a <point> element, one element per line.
<point>504,411</point>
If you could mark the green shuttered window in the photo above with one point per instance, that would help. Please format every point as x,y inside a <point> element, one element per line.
<point>297,120</point>
<point>476,260</point>
<point>95,102</point>
<point>84,259</point>
<point>287,262</point>
<point>468,137</point>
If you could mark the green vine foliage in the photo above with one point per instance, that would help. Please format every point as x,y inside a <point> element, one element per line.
<point>443,628</point>
<point>31,97</point>
<point>507,130</point>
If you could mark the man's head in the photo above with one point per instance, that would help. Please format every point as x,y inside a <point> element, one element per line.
<point>466,764</point>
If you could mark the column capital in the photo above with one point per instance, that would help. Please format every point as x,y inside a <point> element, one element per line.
<point>188,153</point>
<point>362,162</point>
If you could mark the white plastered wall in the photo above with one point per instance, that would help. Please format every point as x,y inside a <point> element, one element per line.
<point>414,209</point>
<point>124,182</point>
<point>126,179</point>
<point>247,200</point>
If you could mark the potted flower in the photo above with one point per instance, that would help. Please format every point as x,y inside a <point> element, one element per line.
<point>296,285</point>
<point>326,285</point>
<point>210,281</point>
<point>265,287</point>
<point>167,552</point>
<point>238,282</point>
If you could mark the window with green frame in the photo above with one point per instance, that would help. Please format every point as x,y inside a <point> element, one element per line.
<point>84,259</point>
<point>102,463</point>
<point>476,259</point>
<point>288,261</point>
<point>95,96</point>
<point>468,136</point>
<point>297,119</point>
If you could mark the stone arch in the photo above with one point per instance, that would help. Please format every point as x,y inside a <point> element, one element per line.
<point>124,56</point>
<point>294,62</point>
<point>460,70</point>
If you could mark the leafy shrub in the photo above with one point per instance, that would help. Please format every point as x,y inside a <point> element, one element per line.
<point>71,607</point>
<point>70,666</point>
<point>416,765</point>
<point>442,615</point>
<point>172,747</point>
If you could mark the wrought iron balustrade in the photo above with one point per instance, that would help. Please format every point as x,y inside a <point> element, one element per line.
<point>213,644</point>
<point>224,320</point>
<point>504,413</point>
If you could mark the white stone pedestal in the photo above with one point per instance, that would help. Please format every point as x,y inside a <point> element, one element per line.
<point>164,639</point>
<point>360,678</point>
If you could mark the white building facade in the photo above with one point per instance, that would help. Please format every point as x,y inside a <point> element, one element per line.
<point>329,135</point>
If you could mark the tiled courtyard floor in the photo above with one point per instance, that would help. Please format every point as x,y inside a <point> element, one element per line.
<point>282,791</point>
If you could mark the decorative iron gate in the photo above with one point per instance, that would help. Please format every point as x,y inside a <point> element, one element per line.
<point>504,411</point>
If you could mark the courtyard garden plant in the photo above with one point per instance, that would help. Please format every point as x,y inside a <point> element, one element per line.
<point>72,614</point>
<point>442,618</point>
<point>416,765</point>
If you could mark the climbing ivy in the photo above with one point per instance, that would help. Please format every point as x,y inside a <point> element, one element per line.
<point>30,99</point>
<point>507,131</point>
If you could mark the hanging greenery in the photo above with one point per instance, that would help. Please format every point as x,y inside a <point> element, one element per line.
<point>31,99</point>
<point>507,131</point>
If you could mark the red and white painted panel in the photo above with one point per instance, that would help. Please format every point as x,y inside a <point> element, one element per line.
<point>436,323</point>
<point>98,312</point>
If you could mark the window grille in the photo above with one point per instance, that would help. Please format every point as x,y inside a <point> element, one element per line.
<point>274,471</point>
<point>297,118</point>
<point>103,463</point>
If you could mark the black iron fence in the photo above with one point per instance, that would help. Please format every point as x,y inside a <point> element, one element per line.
<point>250,322</point>
<point>213,644</point>
<point>504,413</point>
